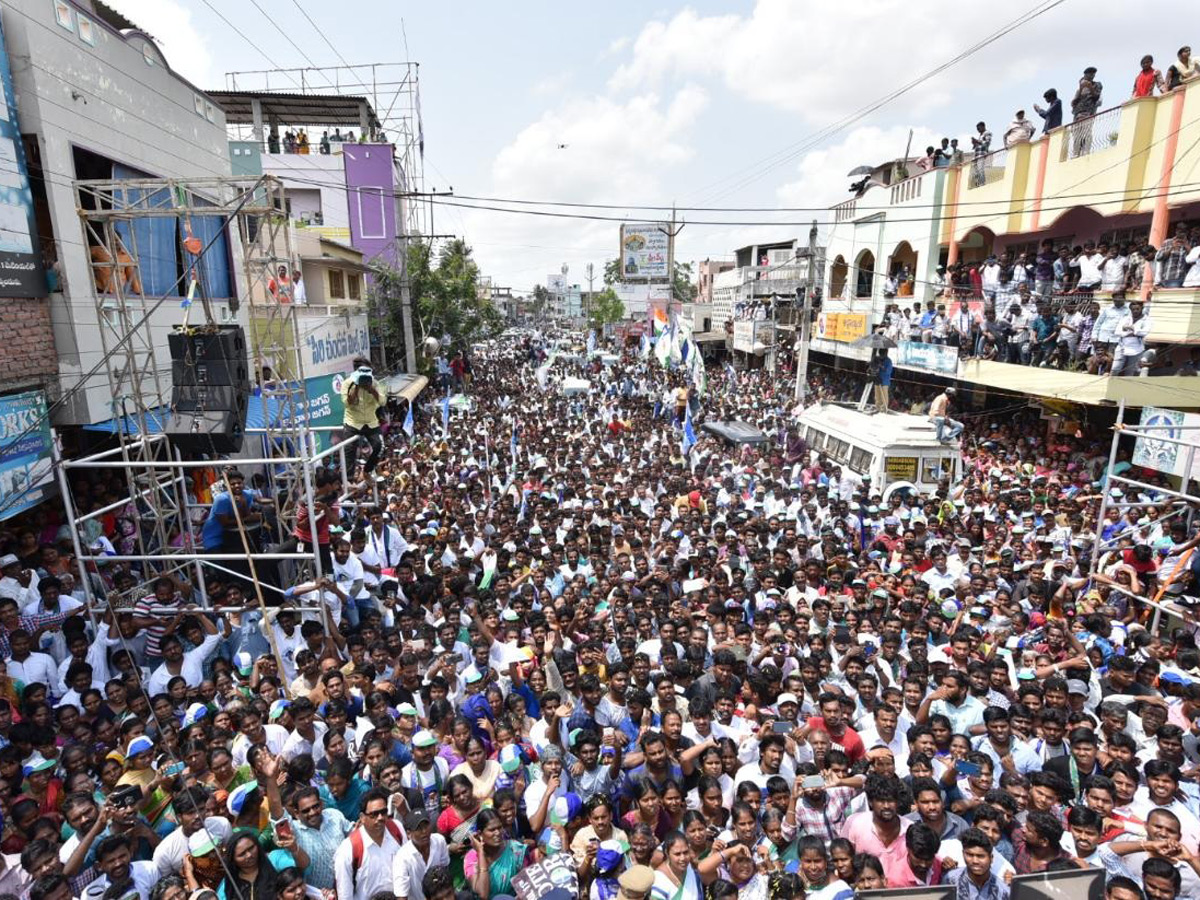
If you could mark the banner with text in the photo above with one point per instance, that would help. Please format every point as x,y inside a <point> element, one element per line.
<point>26,476</point>
<point>931,357</point>
<point>842,327</point>
<point>644,252</point>
<point>21,272</point>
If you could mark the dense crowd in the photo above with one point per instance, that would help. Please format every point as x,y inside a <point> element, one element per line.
<point>566,630</point>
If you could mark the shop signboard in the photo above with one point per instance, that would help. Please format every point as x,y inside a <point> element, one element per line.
<point>930,357</point>
<point>26,476</point>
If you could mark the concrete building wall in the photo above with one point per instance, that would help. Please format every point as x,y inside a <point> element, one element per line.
<point>371,200</point>
<point>116,96</point>
<point>302,174</point>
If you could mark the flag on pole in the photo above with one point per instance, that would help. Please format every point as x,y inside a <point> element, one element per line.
<point>446,412</point>
<point>645,345</point>
<point>689,433</point>
<point>524,505</point>
<point>591,342</point>
<point>512,445</point>
<point>408,420</point>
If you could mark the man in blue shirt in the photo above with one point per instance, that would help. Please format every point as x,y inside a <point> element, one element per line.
<point>882,372</point>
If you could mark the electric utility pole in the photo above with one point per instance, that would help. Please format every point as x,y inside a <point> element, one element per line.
<point>806,317</point>
<point>671,233</point>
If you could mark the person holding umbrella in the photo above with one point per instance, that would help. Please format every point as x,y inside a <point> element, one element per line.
<point>881,376</point>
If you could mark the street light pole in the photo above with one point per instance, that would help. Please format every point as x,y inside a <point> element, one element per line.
<point>806,316</point>
<point>587,310</point>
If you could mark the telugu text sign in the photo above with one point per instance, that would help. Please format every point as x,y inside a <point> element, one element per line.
<point>644,252</point>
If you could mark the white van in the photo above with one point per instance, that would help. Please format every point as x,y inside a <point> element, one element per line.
<point>887,446</point>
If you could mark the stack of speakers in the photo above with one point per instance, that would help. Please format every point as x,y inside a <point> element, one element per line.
<point>210,390</point>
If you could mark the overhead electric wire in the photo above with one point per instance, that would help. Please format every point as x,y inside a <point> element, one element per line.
<point>779,209</point>
<point>782,157</point>
<point>78,386</point>
<point>321,33</point>
<point>220,15</point>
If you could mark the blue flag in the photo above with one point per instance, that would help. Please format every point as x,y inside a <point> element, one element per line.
<point>524,505</point>
<point>446,412</point>
<point>689,433</point>
<point>512,445</point>
<point>408,420</point>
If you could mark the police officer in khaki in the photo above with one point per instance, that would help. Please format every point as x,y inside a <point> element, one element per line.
<point>635,883</point>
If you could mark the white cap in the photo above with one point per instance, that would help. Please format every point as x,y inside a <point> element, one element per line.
<point>786,697</point>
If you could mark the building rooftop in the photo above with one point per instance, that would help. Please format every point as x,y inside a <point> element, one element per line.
<point>289,109</point>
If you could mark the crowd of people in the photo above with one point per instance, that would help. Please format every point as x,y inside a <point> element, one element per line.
<point>577,626</point>
<point>1042,309</point>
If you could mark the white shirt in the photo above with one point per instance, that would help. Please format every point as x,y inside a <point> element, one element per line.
<point>192,668</point>
<point>37,667</point>
<point>275,739</point>
<point>1131,335</point>
<point>168,855</point>
<point>298,745</point>
<point>369,557</point>
<point>143,874</point>
<point>345,574</point>
<point>374,872</point>
<point>12,589</point>
<point>409,867</point>
<point>1089,268</point>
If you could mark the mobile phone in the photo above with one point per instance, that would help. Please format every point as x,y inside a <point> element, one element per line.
<point>962,767</point>
<point>417,644</point>
<point>283,829</point>
<point>782,726</point>
<point>868,650</point>
<point>173,769</point>
<point>811,782</point>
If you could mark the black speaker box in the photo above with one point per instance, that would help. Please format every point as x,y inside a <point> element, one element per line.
<point>207,431</point>
<point>228,342</point>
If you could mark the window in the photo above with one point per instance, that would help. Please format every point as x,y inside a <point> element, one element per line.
<point>838,449</point>
<point>860,459</point>
<point>353,286</point>
<point>87,31</point>
<point>931,469</point>
<point>337,285</point>
<point>64,15</point>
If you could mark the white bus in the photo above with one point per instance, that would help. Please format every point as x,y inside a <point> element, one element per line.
<point>887,446</point>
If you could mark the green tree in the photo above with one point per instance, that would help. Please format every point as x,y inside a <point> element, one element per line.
<point>605,308</point>
<point>684,289</point>
<point>444,292</point>
<point>541,300</point>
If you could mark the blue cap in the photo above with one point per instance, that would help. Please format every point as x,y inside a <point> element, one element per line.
<point>140,744</point>
<point>237,797</point>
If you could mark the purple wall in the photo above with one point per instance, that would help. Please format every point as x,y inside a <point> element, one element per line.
<point>371,200</point>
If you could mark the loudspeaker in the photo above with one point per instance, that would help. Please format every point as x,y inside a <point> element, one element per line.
<point>207,430</point>
<point>210,380</point>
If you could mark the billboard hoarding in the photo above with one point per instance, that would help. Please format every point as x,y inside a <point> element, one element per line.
<point>21,272</point>
<point>26,472</point>
<point>931,357</point>
<point>644,252</point>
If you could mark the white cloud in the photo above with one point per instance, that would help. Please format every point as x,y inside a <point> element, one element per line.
<point>173,27</point>
<point>820,177</point>
<point>614,149</point>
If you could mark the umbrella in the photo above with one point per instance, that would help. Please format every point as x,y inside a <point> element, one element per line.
<point>860,170</point>
<point>876,341</point>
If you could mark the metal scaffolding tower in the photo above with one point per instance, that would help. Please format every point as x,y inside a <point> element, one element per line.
<point>249,213</point>
<point>1177,445</point>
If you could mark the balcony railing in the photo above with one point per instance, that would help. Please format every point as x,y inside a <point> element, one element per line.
<point>908,189</point>
<point>844,212</point>
<point>987,169</point>
<point>1091,135</point>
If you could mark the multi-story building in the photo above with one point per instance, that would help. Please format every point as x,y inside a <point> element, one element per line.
<point>93,98</point>
<point>353,193</point>
<point>1124,176</point>
<point>759,273</point>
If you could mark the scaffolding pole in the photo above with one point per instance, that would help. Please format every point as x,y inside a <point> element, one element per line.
<point>251,213</point>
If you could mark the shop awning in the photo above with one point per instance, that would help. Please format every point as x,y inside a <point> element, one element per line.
<point>706,337</point>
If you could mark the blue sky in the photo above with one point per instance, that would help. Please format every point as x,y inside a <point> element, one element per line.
<point>702,104</point>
